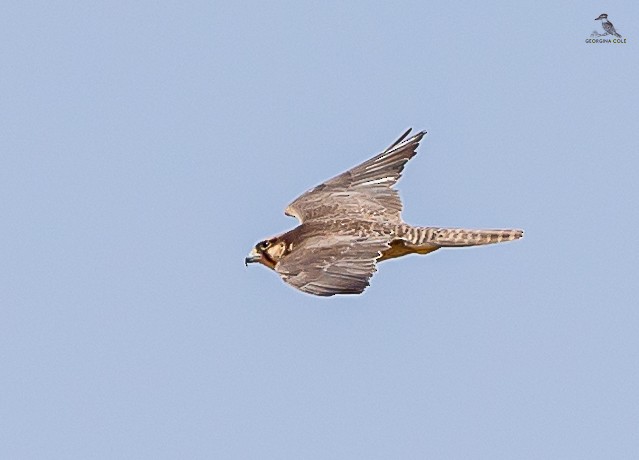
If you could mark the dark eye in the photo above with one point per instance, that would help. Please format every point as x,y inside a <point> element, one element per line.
<point>265,244</point>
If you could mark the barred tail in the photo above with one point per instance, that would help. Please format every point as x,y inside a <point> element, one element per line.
<point>458,237</point>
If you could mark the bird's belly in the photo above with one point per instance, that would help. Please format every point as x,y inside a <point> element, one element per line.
<point>399,248</point>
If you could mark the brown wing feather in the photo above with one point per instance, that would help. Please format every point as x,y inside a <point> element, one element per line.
<point>333,264</point>
<point>364,191</point>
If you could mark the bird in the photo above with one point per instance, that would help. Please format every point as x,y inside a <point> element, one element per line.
<point>353,221</point>
<point>607,25</point>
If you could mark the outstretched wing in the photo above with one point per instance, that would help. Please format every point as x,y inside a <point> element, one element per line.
<point>326,265</point>
<point>364,191</point>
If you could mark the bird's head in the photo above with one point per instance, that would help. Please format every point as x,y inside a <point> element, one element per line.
<point>602,16</point>
<point>267,252</point>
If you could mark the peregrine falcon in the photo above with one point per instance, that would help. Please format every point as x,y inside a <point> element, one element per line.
<point>351,222</point>
<point>607,25</point>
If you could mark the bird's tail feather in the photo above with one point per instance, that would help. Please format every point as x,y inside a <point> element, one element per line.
<point>458,237</point>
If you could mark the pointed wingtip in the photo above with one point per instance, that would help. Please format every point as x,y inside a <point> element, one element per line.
<point>420,134</point>
<point>402,139</point>
<point>416,139</point>
<point>417,136</point>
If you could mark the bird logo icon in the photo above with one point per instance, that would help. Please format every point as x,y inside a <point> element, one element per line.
<point>608,28</point>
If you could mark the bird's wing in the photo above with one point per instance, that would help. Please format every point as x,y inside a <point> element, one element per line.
<point>335,264</point>
<point>364,191</point>
<point>608,27</point>
<point>613,31</point>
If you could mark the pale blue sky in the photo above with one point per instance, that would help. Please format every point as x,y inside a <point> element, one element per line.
<point>146,146</point>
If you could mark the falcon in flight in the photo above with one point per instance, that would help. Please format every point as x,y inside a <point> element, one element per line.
<point>351,222</point>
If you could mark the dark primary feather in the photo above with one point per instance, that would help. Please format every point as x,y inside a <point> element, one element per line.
<point>364,191</point>
<point>399,140</point>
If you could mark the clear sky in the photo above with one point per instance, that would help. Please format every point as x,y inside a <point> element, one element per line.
<point>146,146</point>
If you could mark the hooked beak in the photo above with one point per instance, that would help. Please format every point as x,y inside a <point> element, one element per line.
<point>253,257</point>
